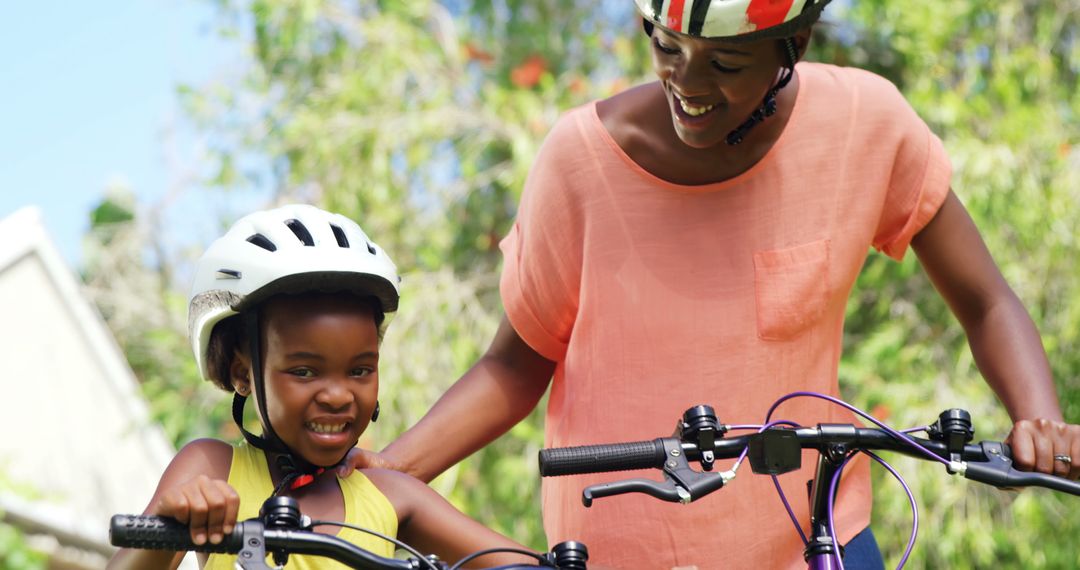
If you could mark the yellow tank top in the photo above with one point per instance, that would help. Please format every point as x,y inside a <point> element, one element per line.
<point>365,506</point>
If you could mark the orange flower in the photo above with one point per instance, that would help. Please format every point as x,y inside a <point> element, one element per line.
<point>577,85</point>
<point>474,53</point>
<point>528,74</point>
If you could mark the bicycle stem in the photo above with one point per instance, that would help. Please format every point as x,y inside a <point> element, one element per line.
<point>821,552</point>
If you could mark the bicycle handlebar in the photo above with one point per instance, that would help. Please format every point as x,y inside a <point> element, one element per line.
<point>650,454</point>
<point>283,531</point>
<point>777,448</point>
<point>987,462</point>
<point>605,457</point>
<point>151,532</point>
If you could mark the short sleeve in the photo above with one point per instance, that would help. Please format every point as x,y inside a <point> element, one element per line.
<point>541,272</point>
<point>919,181</point>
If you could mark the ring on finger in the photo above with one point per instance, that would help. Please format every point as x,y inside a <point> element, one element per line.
<point>1063,458</point>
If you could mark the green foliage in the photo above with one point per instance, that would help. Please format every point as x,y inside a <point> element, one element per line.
<point>421,123</point>
<point>420,119</point>
<point>1004,100</point>
<point>161,358</point>
<point>110,211</point>
<point>148,317</point>
<point>15,553</point>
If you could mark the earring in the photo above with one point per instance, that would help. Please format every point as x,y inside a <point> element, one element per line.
<point>375,414</point>
<point>242,390</point>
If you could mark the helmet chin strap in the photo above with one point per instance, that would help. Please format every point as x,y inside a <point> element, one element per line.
<point>297,471</point>
<point>768,106</point>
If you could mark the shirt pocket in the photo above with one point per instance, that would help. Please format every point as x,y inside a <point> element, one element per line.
<point>791,289</point>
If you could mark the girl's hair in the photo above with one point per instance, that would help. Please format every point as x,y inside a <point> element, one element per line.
<point>228,337</point>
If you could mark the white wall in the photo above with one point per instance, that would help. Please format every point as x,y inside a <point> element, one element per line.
<point>74,425</point>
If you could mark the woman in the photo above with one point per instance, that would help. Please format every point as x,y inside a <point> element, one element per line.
<point>694,240</point>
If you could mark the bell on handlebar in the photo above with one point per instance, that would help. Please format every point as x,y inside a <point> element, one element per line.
<point>700,425</point>
<point>953,427</point>
<point>281,512</point>
<point>569,555</point>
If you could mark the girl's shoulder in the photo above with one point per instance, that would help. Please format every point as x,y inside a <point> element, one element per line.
<point>211,457</point>
<point>389,479</point>
<point>401,489</point>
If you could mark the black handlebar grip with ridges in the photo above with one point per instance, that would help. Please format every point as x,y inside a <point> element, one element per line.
<point>601,458</point>
<point>151,532</point>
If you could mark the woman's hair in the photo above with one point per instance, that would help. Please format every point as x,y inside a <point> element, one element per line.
<point>227,338</point>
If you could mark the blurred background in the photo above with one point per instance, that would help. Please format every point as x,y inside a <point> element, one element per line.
<point>133,132</point>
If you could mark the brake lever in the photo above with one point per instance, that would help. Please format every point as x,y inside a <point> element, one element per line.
<point>665,491</point>
<point>252,555</point>
<point>997,470</point>
<point>681,483</point>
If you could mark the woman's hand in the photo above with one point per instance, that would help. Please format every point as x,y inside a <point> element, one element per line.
<point>208,506</point>
<point>364,459</point>
<point>1046,446</point>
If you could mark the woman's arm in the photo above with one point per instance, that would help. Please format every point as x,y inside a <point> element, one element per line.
<point>494,395</point>
<point>1003,339</point>
<point>427,522</point>
<point>193,491</point>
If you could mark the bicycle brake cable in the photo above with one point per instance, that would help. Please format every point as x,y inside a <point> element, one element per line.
<point>389,539</point>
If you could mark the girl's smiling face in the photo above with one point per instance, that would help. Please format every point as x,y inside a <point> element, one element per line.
<point>712,86</point>
<point>321,372</point>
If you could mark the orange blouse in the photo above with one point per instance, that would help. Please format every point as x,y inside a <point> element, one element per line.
<point>653,297</point>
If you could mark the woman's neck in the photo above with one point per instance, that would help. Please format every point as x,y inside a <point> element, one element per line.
<point>639,121</point>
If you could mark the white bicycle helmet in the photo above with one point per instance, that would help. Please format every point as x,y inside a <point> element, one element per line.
<point>290,249</point>
<point>732,20</point>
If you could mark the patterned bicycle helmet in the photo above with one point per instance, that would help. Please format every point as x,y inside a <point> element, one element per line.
<point>732,20</point>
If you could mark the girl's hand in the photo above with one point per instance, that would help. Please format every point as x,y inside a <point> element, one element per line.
<point>363,459</point>
<point>1046,446</point>
<point>208,506</point>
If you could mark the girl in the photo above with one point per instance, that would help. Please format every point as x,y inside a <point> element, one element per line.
<point>290,307</point>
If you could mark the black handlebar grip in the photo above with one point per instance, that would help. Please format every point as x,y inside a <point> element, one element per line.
<point>150,532</point>
<point>601,458</point>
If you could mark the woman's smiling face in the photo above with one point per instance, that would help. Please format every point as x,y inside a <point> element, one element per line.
<point>321,371</point>
<point>712,86</point>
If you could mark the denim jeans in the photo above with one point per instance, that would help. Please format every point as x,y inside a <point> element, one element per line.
<point>862,552</point>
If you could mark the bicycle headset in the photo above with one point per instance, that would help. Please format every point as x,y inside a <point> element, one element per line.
<point>287,250</point>
<point>738,21</point>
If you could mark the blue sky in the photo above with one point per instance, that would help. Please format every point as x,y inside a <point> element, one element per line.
<point>87,99</point>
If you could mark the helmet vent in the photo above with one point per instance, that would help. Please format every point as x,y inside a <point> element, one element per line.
<point>300,232</point>
<point>261,241</point>
<point>339,235</point>
<point>370,248</point>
